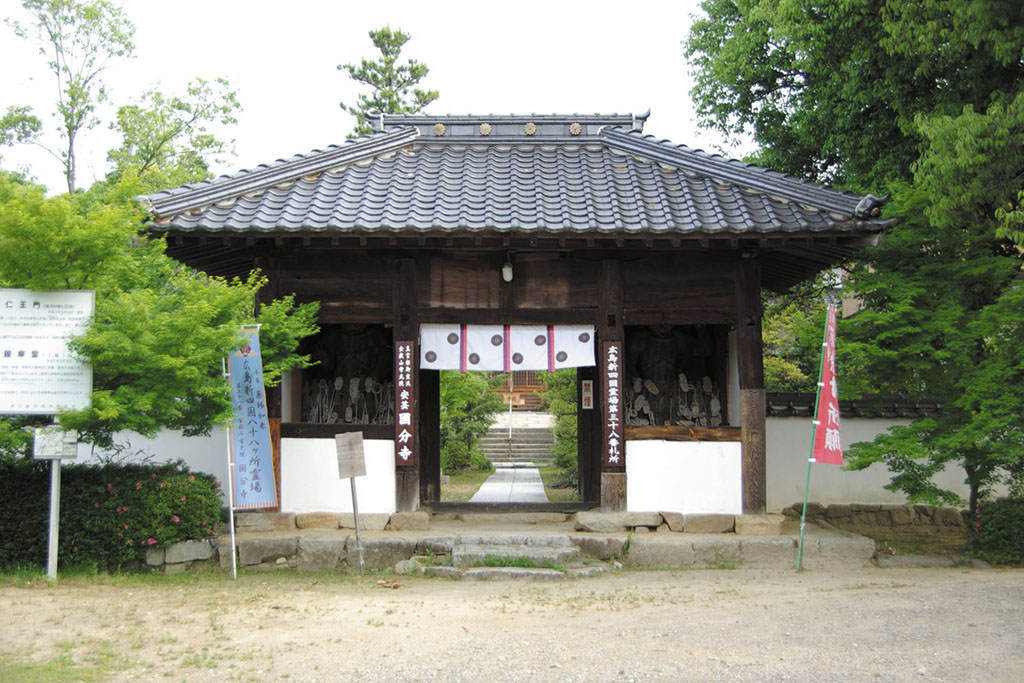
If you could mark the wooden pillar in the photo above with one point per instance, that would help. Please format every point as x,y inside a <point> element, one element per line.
<point>406,329</point>
<point>588,426</point>
<point>751,375</point>
<point>430,435</point>
<point>613,472</point>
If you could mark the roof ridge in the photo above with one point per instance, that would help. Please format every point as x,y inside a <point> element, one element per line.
<point>775,183</point>
<point>242,182</point>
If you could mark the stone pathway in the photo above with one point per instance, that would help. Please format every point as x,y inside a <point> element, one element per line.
<point>512,485</point>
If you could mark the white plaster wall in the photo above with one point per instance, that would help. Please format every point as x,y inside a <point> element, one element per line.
<point>310,483</point>
<point>686,477</point>
<point>788,449</point>
<point>201,453</point>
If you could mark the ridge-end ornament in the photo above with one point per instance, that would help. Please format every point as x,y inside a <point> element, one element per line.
<point>439,129</point>
<point>575,128</point>
<point>485,129</point>
<point>530,128</point>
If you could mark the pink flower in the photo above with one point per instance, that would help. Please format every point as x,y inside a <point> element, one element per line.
<point>154,475</point>
<point>138,485</point>
<point>216,533</point>
<point>125,526</point>
<point>176,519</point>
<point>162,484</point>
<point>110,486</point>
<point>119,534</point>
<point>151,541</point>
<point>204,522</point>
<point>191,477</point>
<point>183,499</point>
<point>96,505</point>
<point>118,509</point>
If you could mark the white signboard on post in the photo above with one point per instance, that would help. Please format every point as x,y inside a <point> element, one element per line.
<point>39,375</point>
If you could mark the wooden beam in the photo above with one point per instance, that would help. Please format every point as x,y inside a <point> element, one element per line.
<point>684,433</point>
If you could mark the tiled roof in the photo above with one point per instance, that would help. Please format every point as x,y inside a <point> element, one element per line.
<point>527,174</point>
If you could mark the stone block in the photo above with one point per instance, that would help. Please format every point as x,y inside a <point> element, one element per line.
<point>600,547</point>
<point>264,521</point>
<point>837,512</point>
<point>760,525</point>
<point>379,553</point>
<point>901,515</point>
<point>409,566</point>
<point>648,553</point>
<point>535,573</point>
<point>716,551</point>
<point>514,518</point>
<point>948,517</point>
<point>815,510</point>
<point>224,553</point>
<point>708,523</point>
<point>154,557</point>
<point>845,551</point>
<point>320,553</point>
<point>368,521</point>
<point>610,522</point>
<point>177,568</point>
<point>316,520</point>
<point>446,572</point>
<point>410,521</point>
<point>673,520</point>
<point>768,553</point>
<point>437,545</point>
<point>188,551</point>
<point>259,550</point>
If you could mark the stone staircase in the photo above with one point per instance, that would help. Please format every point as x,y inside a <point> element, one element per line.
<point>528,444</point>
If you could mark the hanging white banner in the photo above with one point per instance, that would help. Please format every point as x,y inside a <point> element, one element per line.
<point>505,348</point>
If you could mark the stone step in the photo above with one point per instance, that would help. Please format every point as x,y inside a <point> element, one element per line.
<point>474,555</point>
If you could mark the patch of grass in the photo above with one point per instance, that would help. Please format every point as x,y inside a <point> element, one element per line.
<point>550,474</point>
<point>55,670</point>
<point>524,562</point>
<point>463,484</point>
<point>890,542</point>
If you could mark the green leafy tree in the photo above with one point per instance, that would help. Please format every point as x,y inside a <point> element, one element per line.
<point>18,125</point>
<point>160,329</point>
<point>559,399</point>
<point>80,40</point>
<point>831,90</point>
<point>166,140</point>
<point>924,100</point>
<point>467,411</point>
<point>393,84</point>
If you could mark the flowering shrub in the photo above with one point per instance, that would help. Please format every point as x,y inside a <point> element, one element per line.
<point>110,515</point>
<point>997,534</point>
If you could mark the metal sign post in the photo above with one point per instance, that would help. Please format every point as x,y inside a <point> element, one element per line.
<point>54,444</point>
<point>352,464</point>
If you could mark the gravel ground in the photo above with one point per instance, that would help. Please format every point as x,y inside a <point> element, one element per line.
<point>742,625</point>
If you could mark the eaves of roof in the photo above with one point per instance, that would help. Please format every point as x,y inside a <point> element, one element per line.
<point>191,197</point>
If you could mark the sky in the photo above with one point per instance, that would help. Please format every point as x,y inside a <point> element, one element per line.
<point>514,58</point>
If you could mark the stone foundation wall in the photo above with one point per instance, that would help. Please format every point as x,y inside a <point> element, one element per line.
<point>870,519</point>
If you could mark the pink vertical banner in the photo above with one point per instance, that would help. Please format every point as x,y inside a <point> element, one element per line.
<point>827,444</point>
<point>405,405</point>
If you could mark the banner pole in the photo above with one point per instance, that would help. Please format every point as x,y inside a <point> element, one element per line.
<point>810,454</point>
<point>231,482</point>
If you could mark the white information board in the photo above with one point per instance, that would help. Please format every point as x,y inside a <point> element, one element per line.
<point>39,375</point>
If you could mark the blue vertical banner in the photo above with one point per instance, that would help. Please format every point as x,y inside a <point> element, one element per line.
<point>252,465</point>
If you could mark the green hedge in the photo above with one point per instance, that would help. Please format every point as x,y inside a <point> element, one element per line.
<point>110,514</point>
<point>998,531</point>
